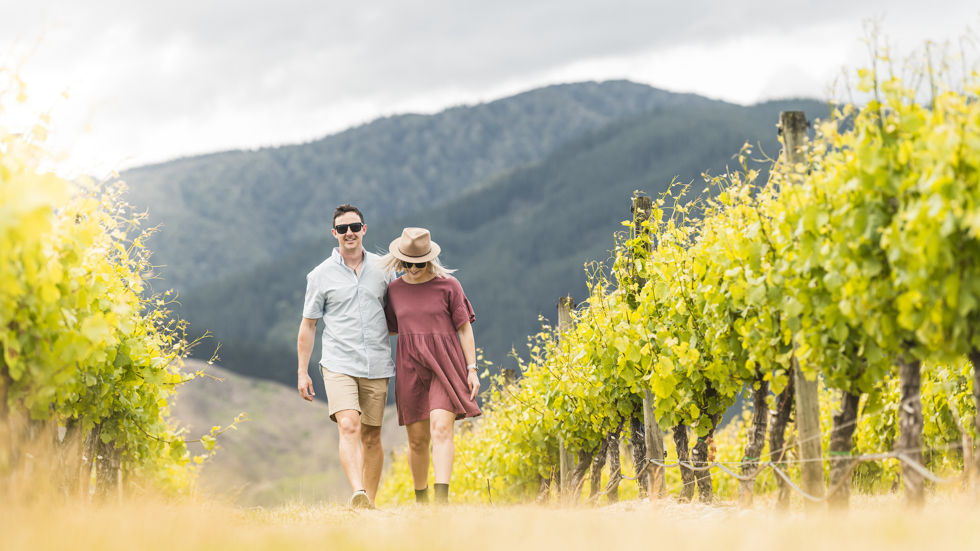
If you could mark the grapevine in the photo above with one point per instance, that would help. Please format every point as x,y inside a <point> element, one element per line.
<point>859,259</point>
<point>87,346</point>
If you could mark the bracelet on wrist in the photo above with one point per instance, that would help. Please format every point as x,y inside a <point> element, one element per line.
<point>471,366</point>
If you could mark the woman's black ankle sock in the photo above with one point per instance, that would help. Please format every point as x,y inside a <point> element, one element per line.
<point>442,493</point>
<point>422,496</point>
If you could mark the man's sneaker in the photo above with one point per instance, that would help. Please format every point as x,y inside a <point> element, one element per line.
<point>359,500</point>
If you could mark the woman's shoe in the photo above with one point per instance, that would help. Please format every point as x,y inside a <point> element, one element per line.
<point>442,494</point>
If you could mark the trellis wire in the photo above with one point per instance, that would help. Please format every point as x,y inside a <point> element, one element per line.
<point>762,465</point>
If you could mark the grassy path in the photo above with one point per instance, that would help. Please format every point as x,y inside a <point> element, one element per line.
<point>875,523</point>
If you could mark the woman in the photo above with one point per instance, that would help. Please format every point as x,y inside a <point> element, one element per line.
<point>435,362</point>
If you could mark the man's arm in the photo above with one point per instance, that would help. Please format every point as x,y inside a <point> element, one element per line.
<point>304,348</point>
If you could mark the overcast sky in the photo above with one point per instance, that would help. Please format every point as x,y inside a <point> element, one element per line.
<point>151,81</point>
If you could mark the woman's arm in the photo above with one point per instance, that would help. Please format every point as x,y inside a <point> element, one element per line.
<point>465,334</point>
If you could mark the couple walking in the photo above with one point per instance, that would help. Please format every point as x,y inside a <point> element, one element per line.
<point>362,302</point>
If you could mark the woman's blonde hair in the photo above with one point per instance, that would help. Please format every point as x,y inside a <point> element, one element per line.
<point>392,264</point>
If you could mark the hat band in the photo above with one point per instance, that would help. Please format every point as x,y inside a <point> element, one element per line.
<point>412,256</point>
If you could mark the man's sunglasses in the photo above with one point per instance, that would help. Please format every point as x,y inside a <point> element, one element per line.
<point>408,265</point>
<point>342,228</point>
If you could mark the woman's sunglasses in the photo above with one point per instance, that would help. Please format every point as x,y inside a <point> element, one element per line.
<point>408,265</point>
<point>342,228</point>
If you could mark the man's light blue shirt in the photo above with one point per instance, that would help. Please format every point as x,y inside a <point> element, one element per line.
<point>355,334</point>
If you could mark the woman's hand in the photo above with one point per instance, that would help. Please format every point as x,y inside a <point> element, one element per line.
<point>473,380</point>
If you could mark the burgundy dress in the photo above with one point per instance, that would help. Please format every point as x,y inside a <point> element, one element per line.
<point>430,370</point>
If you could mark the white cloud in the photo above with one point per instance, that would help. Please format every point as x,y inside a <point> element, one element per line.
<point>151,81</point>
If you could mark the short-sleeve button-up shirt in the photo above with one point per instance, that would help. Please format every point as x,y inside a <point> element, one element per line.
<point>355,333</point>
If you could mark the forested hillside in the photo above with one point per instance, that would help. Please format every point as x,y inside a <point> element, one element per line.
<point>227,212</point>
<point>519,239</point>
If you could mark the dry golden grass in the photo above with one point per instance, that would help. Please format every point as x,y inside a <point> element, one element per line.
<point>287,448</point>
<point>874,523</point>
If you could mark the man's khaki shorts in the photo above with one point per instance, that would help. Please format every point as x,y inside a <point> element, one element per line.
<point>365,396</point>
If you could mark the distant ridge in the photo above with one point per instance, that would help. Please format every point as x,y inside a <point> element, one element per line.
<point>223,213</point>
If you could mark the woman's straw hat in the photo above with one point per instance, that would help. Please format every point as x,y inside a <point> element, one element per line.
<point>414,245</point>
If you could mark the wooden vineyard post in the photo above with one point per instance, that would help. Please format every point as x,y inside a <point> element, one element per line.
<point>652,435</point>
<point>910,423</point>
<point>793,126</point>
<point>119,484</point>
<point>973,471</point>
<point>968,459</point>
<point>566,461</point>
<point>655,447</point>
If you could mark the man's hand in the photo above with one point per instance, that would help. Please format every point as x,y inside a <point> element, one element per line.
<point>473,381</point>
<point>304,347</point>
<point>306,387</point>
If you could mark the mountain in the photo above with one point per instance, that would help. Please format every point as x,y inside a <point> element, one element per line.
<point>228,212</point>
<point>519,239</point>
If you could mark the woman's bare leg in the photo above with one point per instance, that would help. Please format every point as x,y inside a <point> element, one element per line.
<point>443,450</point>
<point>418,452</point>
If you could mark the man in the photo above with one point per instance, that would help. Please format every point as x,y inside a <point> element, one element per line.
<point>347,290</point>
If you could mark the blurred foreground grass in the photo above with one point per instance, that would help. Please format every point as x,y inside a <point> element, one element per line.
<point>873,523</point>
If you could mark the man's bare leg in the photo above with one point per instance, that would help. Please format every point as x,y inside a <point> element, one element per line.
<point>349,423</point>
<point>374,459</point>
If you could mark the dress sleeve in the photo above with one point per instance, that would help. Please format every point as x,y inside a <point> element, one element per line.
<point>390,314</point>
<point>460,306</point>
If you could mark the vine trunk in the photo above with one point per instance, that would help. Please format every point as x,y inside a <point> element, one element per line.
<point>615,468</point>
<point>578,477</point>
<point>598,462</point>
<point>687,475</point>
<point>778,421</point>
<point>639,445</point>
<point>756,438</point>
<point>841,442</point>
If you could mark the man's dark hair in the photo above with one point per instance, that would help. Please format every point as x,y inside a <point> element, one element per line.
<point>344,209</point>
